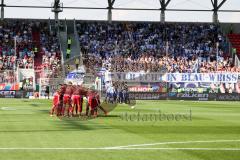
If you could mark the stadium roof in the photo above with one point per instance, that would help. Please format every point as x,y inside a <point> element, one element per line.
<point>144,10</point>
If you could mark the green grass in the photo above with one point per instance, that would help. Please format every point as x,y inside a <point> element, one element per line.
<point>27,124</point>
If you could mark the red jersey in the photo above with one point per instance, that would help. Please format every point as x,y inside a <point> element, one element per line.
<point>83,91</point>
<point>67,95</point>
<point>76,90</point>
<point>93,99</point>
<point>69,90</point>
<point>63,89</point>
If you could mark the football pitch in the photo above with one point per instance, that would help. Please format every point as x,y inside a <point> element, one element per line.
<point>166,130</point>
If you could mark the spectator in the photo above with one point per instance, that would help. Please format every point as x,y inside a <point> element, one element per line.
<point>68,53</point>
<point>69,42</point>
<point>77,63</point>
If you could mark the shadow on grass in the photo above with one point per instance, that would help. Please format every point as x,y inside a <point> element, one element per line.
<point>149,129</point>
<point>26,100</point>
<point>81,123</point>
<point>110,116</point>
<point>34,105</point>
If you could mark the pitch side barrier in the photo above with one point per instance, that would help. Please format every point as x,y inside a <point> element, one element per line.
<point>150,96</point>
<point>16,94</point>
<point>180,86</point>
<point>185,96</point>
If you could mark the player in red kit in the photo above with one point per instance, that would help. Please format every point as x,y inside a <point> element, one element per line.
<point>82,93</point>
<point>93,102</point>
<point>98,103</point>
<point>88,102</point>
<point>60,107</point>
<point>75,99</point>
<point>67,100</point>
<point>56,100</point>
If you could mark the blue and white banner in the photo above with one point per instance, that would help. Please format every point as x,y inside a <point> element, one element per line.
<point>134,76</point>
<point>226,77</point>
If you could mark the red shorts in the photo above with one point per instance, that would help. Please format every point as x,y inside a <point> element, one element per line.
<point>66,99</point>
<point>76,99</point>
<point>56,100</point>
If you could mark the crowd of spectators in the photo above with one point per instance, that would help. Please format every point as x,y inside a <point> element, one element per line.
<point>154,47</point>
<point>51,66</point>
<point>7,76</point>
<point>18,49</point>
<point>20,31</point>
<point>50,51</point>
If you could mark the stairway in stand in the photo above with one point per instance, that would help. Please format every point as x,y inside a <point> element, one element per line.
<point>38,55</point>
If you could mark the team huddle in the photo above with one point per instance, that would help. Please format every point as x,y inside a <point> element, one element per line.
<point>68,101</point>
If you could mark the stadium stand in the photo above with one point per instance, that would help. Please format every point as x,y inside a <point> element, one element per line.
<point>36,48</point>
<point>154,47</point>
<point>116,47</point>
<point>50,53</point>
<point>24,55</point>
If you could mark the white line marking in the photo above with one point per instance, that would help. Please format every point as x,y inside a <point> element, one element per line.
<point>143,148</point>
<point>8,109</point>
<point>183,142</point>
<point>207,149</point>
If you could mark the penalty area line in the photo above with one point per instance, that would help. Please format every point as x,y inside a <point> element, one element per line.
<point>180,142</point>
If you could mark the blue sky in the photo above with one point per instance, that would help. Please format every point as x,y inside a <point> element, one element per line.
<point>125,15</point>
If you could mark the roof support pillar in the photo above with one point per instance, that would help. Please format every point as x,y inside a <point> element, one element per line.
<point>110,7</point>
<point>164,5</point>
<point>216,7</point>
<point>2,9</point>
<point>56,8</point>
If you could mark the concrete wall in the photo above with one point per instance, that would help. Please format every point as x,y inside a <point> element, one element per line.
<point>226,27</point>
